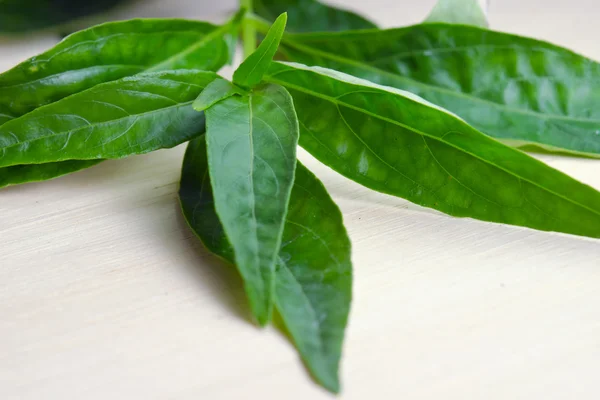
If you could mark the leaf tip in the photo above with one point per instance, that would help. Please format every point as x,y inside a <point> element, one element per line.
<point>263,313</point>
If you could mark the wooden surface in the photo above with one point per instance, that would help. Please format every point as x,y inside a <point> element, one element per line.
<point>105,294</point>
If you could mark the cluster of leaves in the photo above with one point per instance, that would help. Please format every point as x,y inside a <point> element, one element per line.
<point>431,113</point>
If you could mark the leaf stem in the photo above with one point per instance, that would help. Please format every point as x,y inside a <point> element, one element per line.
<point>249,30</point>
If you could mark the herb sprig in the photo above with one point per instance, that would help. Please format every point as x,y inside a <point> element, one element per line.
<point>433,113</point>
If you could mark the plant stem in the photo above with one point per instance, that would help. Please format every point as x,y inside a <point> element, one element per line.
<point>249,30</point>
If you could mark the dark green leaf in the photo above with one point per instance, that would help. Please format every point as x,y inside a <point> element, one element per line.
<point>467,12</point>
<point>313,286</point>
<point>519,90</point>
<point>19,174</point>
<point>25,15</point>
<point>112,51</point>
<point>217,90</point>
<point>105,53</point>
<point>311,16</point>
<point>252,156</point>
<point>133,115</point>
<point>5,115</point>
<point>251,71</point>
<point>397,143</point>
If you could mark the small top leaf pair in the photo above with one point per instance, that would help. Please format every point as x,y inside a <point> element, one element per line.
<point>252,135</point>
<point>249,74</point>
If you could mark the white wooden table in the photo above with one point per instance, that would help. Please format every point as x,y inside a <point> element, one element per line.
<point>105,294</point>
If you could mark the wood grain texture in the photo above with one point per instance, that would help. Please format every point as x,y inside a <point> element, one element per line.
<point>104,293</point>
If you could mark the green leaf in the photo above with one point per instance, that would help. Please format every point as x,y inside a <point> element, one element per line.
<point>467,12</point>
<point>105,53</point>
<point>133,115</point>
<point>252,156</point>
<point>25,15</point>
<point>397,143</point>
<point>19,174</point>
<point>311,16</point>
<point>111,51</point>
<point>313,288</point>
<point>519,90</point>
<point>5,115</point>
<point>217,90</point>
<point>251,71</point>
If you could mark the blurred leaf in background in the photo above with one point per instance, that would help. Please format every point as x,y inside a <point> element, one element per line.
<point>24,15</point>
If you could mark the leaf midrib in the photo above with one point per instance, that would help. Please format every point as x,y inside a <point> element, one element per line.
<point>344,60</point>
<point>344,104</point>
<point>252,195</point>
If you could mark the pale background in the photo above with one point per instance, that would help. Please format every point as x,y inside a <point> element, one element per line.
<point>105,294</point>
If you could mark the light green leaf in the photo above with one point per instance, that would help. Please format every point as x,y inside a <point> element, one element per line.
<point>133,115</point>
<point>311,16</point>
<point>397,143</point>
<point>467,12</point>
<point>252,156</point>
<point>251,71</point>
<point>313,281</point>
<point>519,90</point>
<point>217,90</point>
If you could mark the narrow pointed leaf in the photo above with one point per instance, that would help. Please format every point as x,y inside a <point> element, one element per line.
<point>217,90</point>
<point>523,91</point>
<point>252,156</point>
<point>313,281</point>
<point>111,51</point>
<point>397,143</point>
<point>311,16</point>
<point>133,115</point>
<point>467,12</point>
<point>251,71</point>
<point>105,53</point>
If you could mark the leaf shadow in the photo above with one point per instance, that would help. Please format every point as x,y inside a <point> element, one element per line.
<point>199,262</point>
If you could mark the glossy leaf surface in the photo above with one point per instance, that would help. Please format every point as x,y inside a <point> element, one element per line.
<point>397,143</point>
<point>313,288</point>
<point>19,174</point>
<point>251,71</point>
<point>105,53</point>
<point>133,115</point>
<point>24,15</point>
<point>467,12</point>
<point>311,16</point>
<point>519,90</point>
<point>252,157</point>
<point>111,51</point>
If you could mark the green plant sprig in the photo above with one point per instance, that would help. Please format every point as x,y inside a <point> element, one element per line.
<point>432,113</point>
